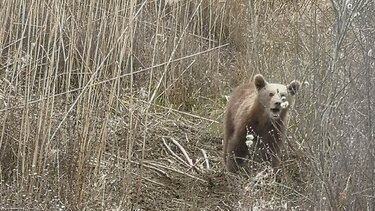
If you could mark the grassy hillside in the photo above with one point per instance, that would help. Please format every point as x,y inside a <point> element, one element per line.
<point>118,105</point>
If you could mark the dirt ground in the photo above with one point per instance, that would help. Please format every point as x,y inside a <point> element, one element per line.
<point>166,180</point>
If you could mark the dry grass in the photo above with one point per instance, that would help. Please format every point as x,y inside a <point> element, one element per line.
<point>117,105</point>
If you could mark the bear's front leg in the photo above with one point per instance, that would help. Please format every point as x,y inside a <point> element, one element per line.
<point>236,152</point>
<point>275,164</point>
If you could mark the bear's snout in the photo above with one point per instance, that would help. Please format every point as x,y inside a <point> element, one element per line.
<point>276,106</point>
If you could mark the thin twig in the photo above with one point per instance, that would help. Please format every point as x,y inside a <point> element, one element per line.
<point>150,180</point>
<point>174,154</point>
<point>205,158</point>
<point>183,151</point>
<point>158,166</point>
<point>158,170</point>
<point>177,171</point>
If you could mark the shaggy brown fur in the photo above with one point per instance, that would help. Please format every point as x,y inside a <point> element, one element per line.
<point>255,109</point>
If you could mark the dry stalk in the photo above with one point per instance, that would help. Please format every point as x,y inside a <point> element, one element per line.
<point>158,166</point>
<point>177,171</point>
<point>88,85</point>
<point>190,162</point>
<point>206,161</point>
<point>174,154</point>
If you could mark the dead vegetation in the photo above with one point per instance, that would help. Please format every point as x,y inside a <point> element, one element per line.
<point>117,105</point>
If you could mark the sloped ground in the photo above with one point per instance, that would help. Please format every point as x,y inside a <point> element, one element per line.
<point>165,178</point>
<point>183,169</point>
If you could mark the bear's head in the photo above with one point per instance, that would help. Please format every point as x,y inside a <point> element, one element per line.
<point>275,98</point>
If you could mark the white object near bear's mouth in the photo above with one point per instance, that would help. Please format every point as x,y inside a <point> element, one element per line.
<point>284,105</point>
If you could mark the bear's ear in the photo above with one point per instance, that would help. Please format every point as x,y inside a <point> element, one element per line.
<point>293,87</point>
<point>259,81</point>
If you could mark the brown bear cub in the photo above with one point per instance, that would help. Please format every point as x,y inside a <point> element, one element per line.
<point>256,118</point>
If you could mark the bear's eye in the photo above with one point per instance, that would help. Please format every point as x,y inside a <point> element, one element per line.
<point>272,94</point>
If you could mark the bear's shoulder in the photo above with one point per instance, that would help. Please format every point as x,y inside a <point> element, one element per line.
<point>243,92</point>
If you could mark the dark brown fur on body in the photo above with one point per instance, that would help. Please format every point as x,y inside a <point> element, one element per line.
<point>246,114</point>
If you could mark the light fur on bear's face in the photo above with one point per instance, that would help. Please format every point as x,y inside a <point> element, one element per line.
<point>275,98</point>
